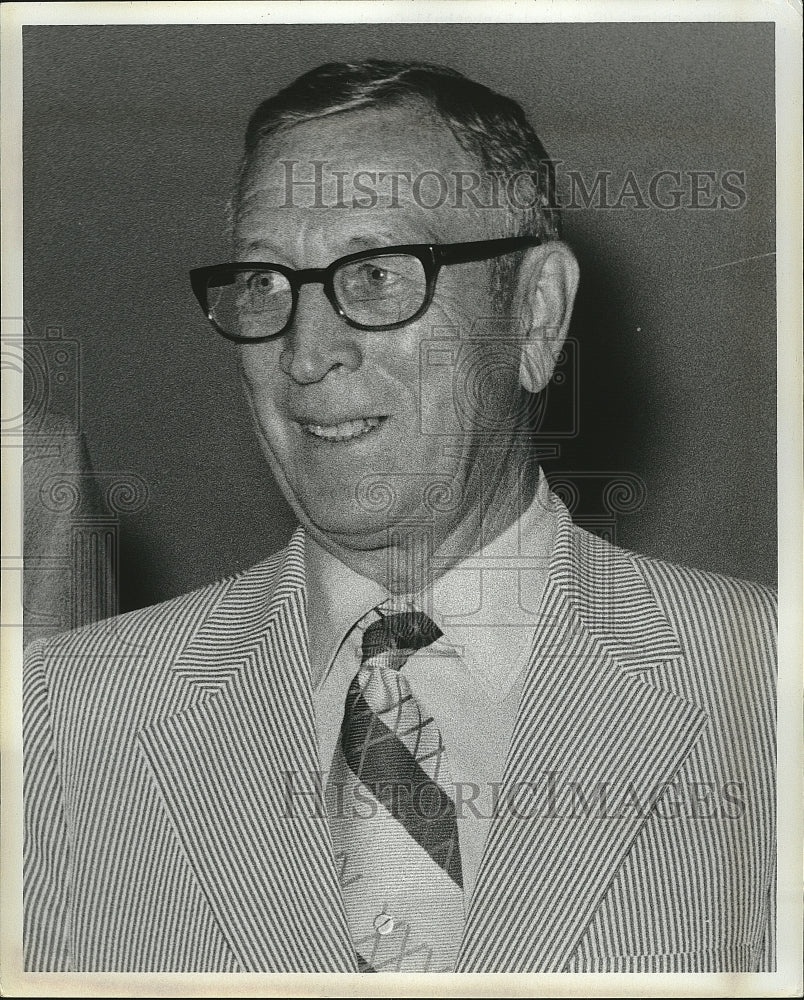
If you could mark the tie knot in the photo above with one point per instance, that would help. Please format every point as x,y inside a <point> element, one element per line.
<point>397,634</point>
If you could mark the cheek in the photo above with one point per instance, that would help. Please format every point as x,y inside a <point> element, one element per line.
<point>260,375</point>
<point>257,362</point>
<point>463,370</point>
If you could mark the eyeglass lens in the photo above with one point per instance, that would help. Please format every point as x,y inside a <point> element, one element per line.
<point>374,292</point>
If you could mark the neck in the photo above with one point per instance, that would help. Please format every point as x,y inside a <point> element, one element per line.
<point>416,554</point>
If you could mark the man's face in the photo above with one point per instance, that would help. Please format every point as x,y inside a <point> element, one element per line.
<point>360,427</point>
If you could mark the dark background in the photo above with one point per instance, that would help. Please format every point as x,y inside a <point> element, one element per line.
<point>131,139</point>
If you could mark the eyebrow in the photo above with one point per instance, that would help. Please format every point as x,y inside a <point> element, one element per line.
<point>382,239</point>
<point>261,245</point>
<point>377,241</point>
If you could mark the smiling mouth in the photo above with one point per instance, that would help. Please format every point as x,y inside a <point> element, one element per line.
<point>349,430</point>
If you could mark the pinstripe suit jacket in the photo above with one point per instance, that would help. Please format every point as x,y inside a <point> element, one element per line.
<point>158,835</point>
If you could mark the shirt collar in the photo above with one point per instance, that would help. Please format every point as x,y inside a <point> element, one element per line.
<point>486,605</point>
<point>337,597</point>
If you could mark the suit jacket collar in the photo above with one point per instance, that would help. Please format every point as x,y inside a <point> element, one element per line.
<point>237,766</point>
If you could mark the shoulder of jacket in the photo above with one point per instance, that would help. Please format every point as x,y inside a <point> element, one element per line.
<point>660,574</point>
<point>705,586</point>
<point>144,626</point>
<point>706,610</point>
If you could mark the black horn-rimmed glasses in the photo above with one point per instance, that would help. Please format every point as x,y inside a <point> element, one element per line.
<point>379,289</point>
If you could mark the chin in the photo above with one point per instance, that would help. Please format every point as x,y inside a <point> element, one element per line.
<point>359,521</point>
<point>351,531</point>
<point>336,510</point>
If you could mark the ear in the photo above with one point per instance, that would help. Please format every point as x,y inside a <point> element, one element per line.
<point>545,292</point>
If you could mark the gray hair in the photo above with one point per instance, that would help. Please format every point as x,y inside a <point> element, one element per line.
<point>490,127</point>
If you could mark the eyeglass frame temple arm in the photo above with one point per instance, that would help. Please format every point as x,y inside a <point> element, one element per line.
<point>466,253</point>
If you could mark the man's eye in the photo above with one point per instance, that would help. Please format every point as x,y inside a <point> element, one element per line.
<point>367,278</point>
<point>373,273</point>
<point>262,282</point>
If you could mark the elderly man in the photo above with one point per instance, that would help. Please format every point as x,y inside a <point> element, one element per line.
<point>444,728</point>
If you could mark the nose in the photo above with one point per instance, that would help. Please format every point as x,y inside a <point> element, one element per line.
<point>318,341</point>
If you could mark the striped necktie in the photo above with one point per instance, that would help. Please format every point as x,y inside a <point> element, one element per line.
<point>391,808</point>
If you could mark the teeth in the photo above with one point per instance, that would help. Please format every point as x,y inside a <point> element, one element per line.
<point>342,432</point>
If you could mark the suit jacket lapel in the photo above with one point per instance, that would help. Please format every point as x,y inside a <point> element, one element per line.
<point>589,717</point>
<point>237,767</point>
<point>238,770</point>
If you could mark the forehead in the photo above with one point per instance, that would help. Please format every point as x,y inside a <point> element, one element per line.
<point>394,168</point>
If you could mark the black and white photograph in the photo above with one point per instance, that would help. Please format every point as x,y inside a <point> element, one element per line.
<point>447,626</point>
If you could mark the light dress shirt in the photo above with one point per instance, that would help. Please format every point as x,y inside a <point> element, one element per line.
<point>469,680</point>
